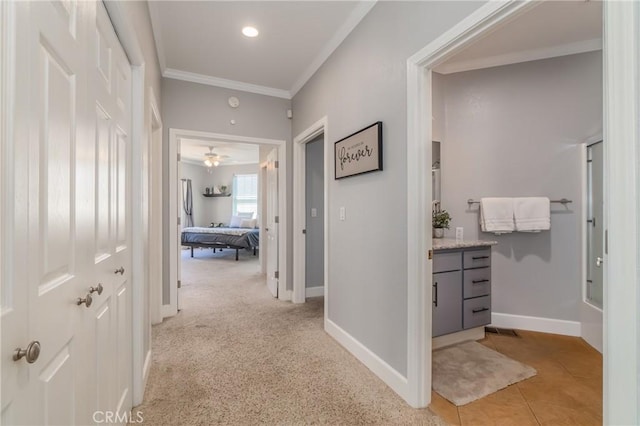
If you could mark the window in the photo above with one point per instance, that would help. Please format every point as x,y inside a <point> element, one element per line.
<point>245,195</point>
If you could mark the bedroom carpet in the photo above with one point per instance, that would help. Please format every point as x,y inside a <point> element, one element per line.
<point>469,371</point>
<point>235,355</point>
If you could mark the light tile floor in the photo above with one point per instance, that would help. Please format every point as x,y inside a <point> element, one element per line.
<point>566,391</point>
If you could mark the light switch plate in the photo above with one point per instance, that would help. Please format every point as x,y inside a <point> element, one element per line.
<point>343,213</point>
<point>314,212</point>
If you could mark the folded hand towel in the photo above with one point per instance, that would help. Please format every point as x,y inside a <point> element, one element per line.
<point>532,214</point>
<point>496,215</point>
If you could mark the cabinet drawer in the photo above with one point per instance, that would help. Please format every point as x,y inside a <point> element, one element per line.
<point>476,312</point>
<point>477,258</point>
<point>443,262</point>
<point>477,282</point>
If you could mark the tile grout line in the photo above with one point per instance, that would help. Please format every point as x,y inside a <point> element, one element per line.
<point>528,405</point>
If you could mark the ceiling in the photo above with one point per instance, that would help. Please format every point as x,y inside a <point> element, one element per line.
<point>201,41</point>
<point>233,153</point>
<point>553,28</point>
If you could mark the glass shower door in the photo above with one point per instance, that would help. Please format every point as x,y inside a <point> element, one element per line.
<point>595,231</point>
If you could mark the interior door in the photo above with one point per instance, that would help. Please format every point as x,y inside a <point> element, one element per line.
<point>271,230</point>
<point>593,301</point>
<point>180,226</point>
<point>69,226</point>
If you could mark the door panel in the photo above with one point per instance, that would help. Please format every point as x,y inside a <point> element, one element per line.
<point>68,185</point>
<point>272,224</point>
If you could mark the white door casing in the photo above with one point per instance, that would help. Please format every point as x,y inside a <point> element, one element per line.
<point>71,168</point>
<point>271,229</point>
<point>299,201</point>
<point>169,309</point>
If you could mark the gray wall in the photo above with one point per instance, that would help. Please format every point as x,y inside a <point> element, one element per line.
<point>220,207</point>
<point>199,180</point>
<point>193,106</point>
<point>516,131</point>
<point>314,198</point>
<point>362,82</point>
<point>213,209</point>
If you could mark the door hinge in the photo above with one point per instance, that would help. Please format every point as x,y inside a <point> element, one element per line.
<point>277,219</point>
<point>276,274</point>
<point>179,157</point>
<point>179,220</point>
<point>276,164</point>
<point>606,242</point>
<point>179,284</point>
<point>430,254</point>
<point>304,231</point>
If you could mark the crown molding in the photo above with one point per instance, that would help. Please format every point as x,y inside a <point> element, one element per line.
<point>227,84</point>
<point>518,57</point>
<point>358,13</point>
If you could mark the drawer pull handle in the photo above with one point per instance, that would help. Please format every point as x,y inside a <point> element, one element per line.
<point>479,281</point>
<point>475,311</point>
<point>435,302</point>
<point>479,257</point>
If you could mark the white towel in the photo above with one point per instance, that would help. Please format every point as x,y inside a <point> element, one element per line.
<point>496,215</point>
<point>532,214</point>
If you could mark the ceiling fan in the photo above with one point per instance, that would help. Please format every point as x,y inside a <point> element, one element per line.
<point>211,159</point>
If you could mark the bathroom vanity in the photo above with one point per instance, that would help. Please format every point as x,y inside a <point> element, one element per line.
<point>461,293</point>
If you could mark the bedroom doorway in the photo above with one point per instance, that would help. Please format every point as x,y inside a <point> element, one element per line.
<point>216,199</point>
<point>311,151</point>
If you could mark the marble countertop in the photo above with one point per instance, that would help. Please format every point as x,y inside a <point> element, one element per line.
<point>451,243</point>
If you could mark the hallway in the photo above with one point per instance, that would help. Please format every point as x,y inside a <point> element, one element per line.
<point>235,355</point>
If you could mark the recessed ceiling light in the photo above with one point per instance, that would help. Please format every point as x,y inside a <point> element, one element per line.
<point>250,31</point>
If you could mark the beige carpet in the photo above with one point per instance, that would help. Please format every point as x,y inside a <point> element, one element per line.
<point>235,355</point>
<point>470,371</point>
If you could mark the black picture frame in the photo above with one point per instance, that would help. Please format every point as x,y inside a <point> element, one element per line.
<point>359,153</point>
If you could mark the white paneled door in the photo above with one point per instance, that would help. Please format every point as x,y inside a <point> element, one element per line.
<point>66,205</point>
<point>271,229</point>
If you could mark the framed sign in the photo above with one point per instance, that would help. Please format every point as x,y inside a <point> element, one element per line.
<point>360,152</point>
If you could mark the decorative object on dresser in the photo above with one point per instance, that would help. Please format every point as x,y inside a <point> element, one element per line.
<point>360,152</point>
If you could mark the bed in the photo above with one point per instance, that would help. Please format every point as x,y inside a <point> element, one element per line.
<point>214,238</point>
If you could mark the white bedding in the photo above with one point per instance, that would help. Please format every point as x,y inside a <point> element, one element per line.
<point>225,231</point>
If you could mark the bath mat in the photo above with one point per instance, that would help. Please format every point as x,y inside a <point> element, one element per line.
<point>470,371</point>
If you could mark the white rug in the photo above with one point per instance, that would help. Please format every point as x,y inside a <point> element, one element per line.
<point>470,371</point>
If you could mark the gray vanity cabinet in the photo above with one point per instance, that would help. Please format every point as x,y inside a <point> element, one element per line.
<point>447,309</point>
<point>461,291</point>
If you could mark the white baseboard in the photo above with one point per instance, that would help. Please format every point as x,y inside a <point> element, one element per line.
<point>396,381</point>
<point>314,291</point>
<point>545,325</point>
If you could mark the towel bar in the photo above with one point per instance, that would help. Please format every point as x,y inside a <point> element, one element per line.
<point>562,201</point>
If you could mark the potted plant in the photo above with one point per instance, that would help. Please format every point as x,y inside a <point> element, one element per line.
<point>440,221</point>
<point>223,189</point>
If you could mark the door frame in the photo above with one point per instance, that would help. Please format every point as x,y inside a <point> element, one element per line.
<point>299,209</point>
<point>174,138</point>
<point>126,33</point>
<point>622,150</point>
<point>587,310</point>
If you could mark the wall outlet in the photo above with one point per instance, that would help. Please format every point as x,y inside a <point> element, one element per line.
<point>459,233</point>
<point>343,213</point>
<point>314,212</point>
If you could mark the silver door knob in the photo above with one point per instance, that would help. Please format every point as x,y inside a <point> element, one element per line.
<point>98,289</point>
<point>119,270</point>
<point>599,261</point>
<point>30,354</point>
<point>87,300</point>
